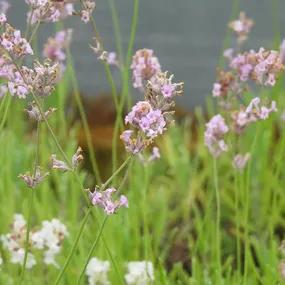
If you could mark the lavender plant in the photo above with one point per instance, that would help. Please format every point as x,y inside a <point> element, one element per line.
<point>151,221</point>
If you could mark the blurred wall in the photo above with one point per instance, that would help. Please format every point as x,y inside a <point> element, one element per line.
<point>186,35</point>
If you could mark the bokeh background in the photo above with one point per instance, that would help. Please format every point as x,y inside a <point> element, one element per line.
<point>188,36</point>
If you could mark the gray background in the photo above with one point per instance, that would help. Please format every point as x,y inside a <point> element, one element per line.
<point>187,36</point>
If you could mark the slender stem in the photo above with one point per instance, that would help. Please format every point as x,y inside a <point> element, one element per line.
<point>113,261</point>
<point>5,113</point>
<point>115,20</point>
<point>274,208</point>
<point>218,219</point>
<point>107,67</point>
<point>31,200</point>
<point>235,9</point>
<point>116,173</point>
<point>51,131</point>
<point>238,251</point>
<point>63,269</point>
<point>125,79</point>
<point>86,128</point>
<point>101,234</point>
<point>85,220</point>
<point>145,221</point>
<point>43,115</point>
<point>133,32</point>
<point>92,249</point>
<point>247,207</point>
<point>34,32</point>
<point>3,100</point>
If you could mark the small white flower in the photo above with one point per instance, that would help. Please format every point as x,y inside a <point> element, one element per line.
<point>97,272</point>
<point>139,273</point>
<point>17,257</point>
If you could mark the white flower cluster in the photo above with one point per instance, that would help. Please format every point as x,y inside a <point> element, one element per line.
<point>97,272</point>
<point>14,242</point>
<point>48,239</point>
<point>139,272</point>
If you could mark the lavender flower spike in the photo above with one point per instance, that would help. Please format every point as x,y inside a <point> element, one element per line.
<point>216,128</point>
<point>104,200</point>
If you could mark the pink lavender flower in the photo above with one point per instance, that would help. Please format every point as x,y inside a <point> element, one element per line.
<point>77,158</point>
<point>42,78</point>
<point>4,6</point>
<point>3,19</point>
<point>155,154</point>
<point>261,67</point>
<point>162,84</point>
<point>216,128</point>
<point>54,49</point>
<point>48,11</point>
<point>226,83</point>
<point>241,27</point>
<point>32,180</point>
<point>104,200</point>
<point>240,161</point>
<point>63,166</point>
<point>151,117</point>
<point>17,86</point>
<point>58,164</point>
<point>217,88</point>
<point>251,114</point>
<point>88,8</point>
<point>260,112</point>
<point>12,41</point>
<point>150,122</point>
<point>34,112</point>
<point>153,124</point>
<point>132,144</point>
<point>144,66</point>
<point>228,53</point>
<point>105,56</point>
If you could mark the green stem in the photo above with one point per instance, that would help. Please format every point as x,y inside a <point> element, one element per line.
<point>247,207</point>
<point>34,32</point>
<point>31,201</point>
<point>145,221</point>
<point>83,117</point>
<point>235,9</point>
<point>85,220</point>
<point>116,173</point>
<point>275,190</point>
<point>101,234</point>
<point>238,252</point>
<point>133,32</point>
<point>5,112</point>
<point>62,271</point>
<point>92,249</point>
<point>125,91</point>
<point>107,67</point>
<point>115,20</point>
<point>218,220</point>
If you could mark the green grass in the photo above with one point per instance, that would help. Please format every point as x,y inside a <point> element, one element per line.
<point>172,205</point>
